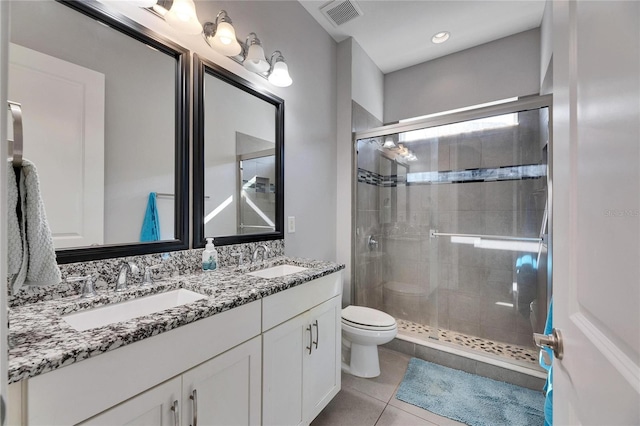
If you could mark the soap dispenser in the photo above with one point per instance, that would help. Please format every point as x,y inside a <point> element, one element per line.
<point>209,256</point>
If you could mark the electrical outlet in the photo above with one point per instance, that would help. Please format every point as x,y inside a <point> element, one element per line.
<point>291,224</point>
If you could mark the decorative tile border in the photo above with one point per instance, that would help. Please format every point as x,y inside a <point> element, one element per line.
<point>522,172</point>
<point>175,263</point>
<point>492,347</point>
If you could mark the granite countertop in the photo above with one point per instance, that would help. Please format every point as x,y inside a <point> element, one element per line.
<point>41,341</point>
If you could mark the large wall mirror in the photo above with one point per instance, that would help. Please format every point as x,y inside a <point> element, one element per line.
<point>238,179</point>
<point>104,106</point>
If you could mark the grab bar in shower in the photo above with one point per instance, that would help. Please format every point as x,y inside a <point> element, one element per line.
<point>434,233</point>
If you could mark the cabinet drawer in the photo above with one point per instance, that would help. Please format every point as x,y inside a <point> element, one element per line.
<point>285,305</point>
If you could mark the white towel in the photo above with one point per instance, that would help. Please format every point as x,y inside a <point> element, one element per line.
<point>31,254</point>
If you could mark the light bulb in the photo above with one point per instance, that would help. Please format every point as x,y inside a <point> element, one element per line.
<point>225,41</point>
<point>255,60</point>
<point>182,16</point>
<point>280,75</point>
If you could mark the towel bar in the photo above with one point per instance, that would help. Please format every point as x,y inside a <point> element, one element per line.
<point>16,146</point>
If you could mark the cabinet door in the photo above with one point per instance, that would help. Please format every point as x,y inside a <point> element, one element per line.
<point>153,407</point>
<point>226,389</point>
<point>284,348</point>
<point>322,366</point>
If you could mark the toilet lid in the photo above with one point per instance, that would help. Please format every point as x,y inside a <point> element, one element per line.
<point>367,316</point>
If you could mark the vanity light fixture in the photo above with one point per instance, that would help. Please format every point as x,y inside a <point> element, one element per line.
<point>144,3</point>
<point>440,37</point>
<point>389,143</point>
<point>279,71</point>
<point>182,16</point>
<point>254,59</point>
<point>221,36</point>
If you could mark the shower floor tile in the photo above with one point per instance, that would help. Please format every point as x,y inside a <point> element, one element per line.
<point>491,347</point>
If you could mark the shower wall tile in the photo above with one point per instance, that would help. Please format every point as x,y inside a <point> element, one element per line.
<point>463,308</point>
<point>498,291</point>
<point>446,359</point>
<point>501,195</point>
<point>368,156</point>
<point>466,154</point>
<point>404,271</point>
<point>464,327</point>
<point>471,256</point>
<point>500,259</point>
<point>469,222</point>
<point>471,279</point>
<point>401,346</point>
<point>500,223</point>
<point>497,334</point>
<point>499,150</point>
<point>367,196</point>
<point>509,376</point>
<point>497,316</point>
<point>471,195</point>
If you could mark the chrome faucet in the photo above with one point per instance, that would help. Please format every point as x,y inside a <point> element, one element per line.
<point>264,254</point>
<point>88,288</point>
<point>125,269</point>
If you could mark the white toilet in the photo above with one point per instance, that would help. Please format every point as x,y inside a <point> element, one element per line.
<point>363,329</point>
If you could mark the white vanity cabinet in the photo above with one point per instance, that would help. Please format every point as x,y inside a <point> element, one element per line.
<point>222,391</point>
<point>114,379</point>
<point>226,390</point>
<point>301,356</point>
<point>274,361</point>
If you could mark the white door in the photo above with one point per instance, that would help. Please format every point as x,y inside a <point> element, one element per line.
<point>283,350</point>
<point>323,365</point>
<point>225,391</point>
<point>63,127</point>
<point>596,211</point>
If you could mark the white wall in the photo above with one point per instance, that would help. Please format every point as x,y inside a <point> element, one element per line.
<point>367,82</point>
<point>546,50</point>
<point>497,70</point>
<point>359,80</point>
<point>310,117</point>
<point>344,162</point>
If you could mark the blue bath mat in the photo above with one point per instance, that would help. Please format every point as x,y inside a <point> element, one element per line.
<point>470,399</point>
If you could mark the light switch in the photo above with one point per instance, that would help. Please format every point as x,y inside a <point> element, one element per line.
<point>291,224</point>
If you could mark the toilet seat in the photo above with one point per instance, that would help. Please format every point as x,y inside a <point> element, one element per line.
<point>367,319</point>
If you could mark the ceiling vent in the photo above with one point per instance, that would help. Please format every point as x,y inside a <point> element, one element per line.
<point>340,12</point>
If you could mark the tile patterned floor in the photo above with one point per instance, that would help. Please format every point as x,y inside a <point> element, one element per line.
<point>372,402</point>
<point>491,347</point>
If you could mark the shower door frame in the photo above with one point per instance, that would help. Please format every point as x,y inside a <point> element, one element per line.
<point>525,103</point>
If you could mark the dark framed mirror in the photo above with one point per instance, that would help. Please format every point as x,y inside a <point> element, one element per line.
<point>238,167</point>
<point>108,130</point>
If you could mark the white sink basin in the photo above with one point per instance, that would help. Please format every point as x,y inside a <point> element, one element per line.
<point>277,271</point>
<point>123,311</point>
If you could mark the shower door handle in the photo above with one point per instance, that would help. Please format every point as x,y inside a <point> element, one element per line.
<point>552,341</point>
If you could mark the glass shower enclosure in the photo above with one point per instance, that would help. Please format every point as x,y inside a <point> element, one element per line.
<point>451,227</point>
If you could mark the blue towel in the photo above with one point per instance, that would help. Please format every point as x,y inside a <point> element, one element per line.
<point>151,224</point>
<point>548,386</point>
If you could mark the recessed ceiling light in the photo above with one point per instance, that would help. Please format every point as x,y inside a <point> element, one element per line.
<point>440,37</point>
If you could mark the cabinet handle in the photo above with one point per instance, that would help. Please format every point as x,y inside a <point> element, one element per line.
<point>315,324</point>
<point>310,339</point>
<point>176,415</point>
<point>194,398</point>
